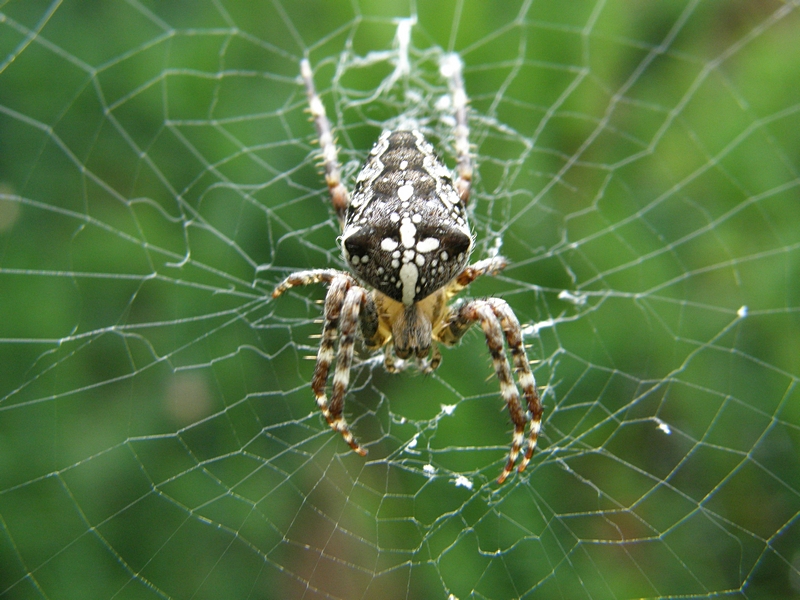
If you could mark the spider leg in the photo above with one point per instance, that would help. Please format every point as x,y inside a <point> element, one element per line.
<point>354,299</point>
<point>330,160</point>
<point>452,68</point>
<point>490,266</point>
<point>341,316</point>
<point>487,266</point>
<point>498,321</point>
<point>513,332</point>
<point>310,277</point>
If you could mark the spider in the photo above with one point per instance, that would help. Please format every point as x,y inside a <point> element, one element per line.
<point>406,238</point>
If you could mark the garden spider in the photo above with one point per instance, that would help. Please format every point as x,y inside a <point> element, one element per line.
<point>406,238</point>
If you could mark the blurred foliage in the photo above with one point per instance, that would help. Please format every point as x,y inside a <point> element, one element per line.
<point>157,433</point>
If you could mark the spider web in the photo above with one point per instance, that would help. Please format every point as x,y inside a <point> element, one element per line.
<point>637,162</point>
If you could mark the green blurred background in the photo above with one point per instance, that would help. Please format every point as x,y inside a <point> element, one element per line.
<point>638,161</point>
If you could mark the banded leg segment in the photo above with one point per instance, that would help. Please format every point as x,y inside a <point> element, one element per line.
<point>522,368</point>
<point>310,277</point>
<point>330,328</point>
<point>498,322</point>
<point>487,266</point>
<point>343,304</point>
<point>330,160</point>
<point>452,67</point>
<point>355,298</point>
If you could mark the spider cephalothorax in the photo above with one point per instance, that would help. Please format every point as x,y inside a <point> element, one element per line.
<point>405,235</point>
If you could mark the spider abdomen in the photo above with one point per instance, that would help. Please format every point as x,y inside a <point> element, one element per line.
<point>406,232</point>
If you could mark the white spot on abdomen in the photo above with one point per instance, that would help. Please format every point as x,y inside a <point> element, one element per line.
<point>427,245</point>
<point>407,233</point>
<point>404,192</point>
<point>408,278</point>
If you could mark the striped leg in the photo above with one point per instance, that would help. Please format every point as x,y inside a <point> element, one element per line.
<point>310,277</point>
<point>498,321</point>
<point>354,299</point>
<point>341,316</point>
<point>487,266</point>
<point>330,160</point>
<point>511,328</point>
<point>452,68</point>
